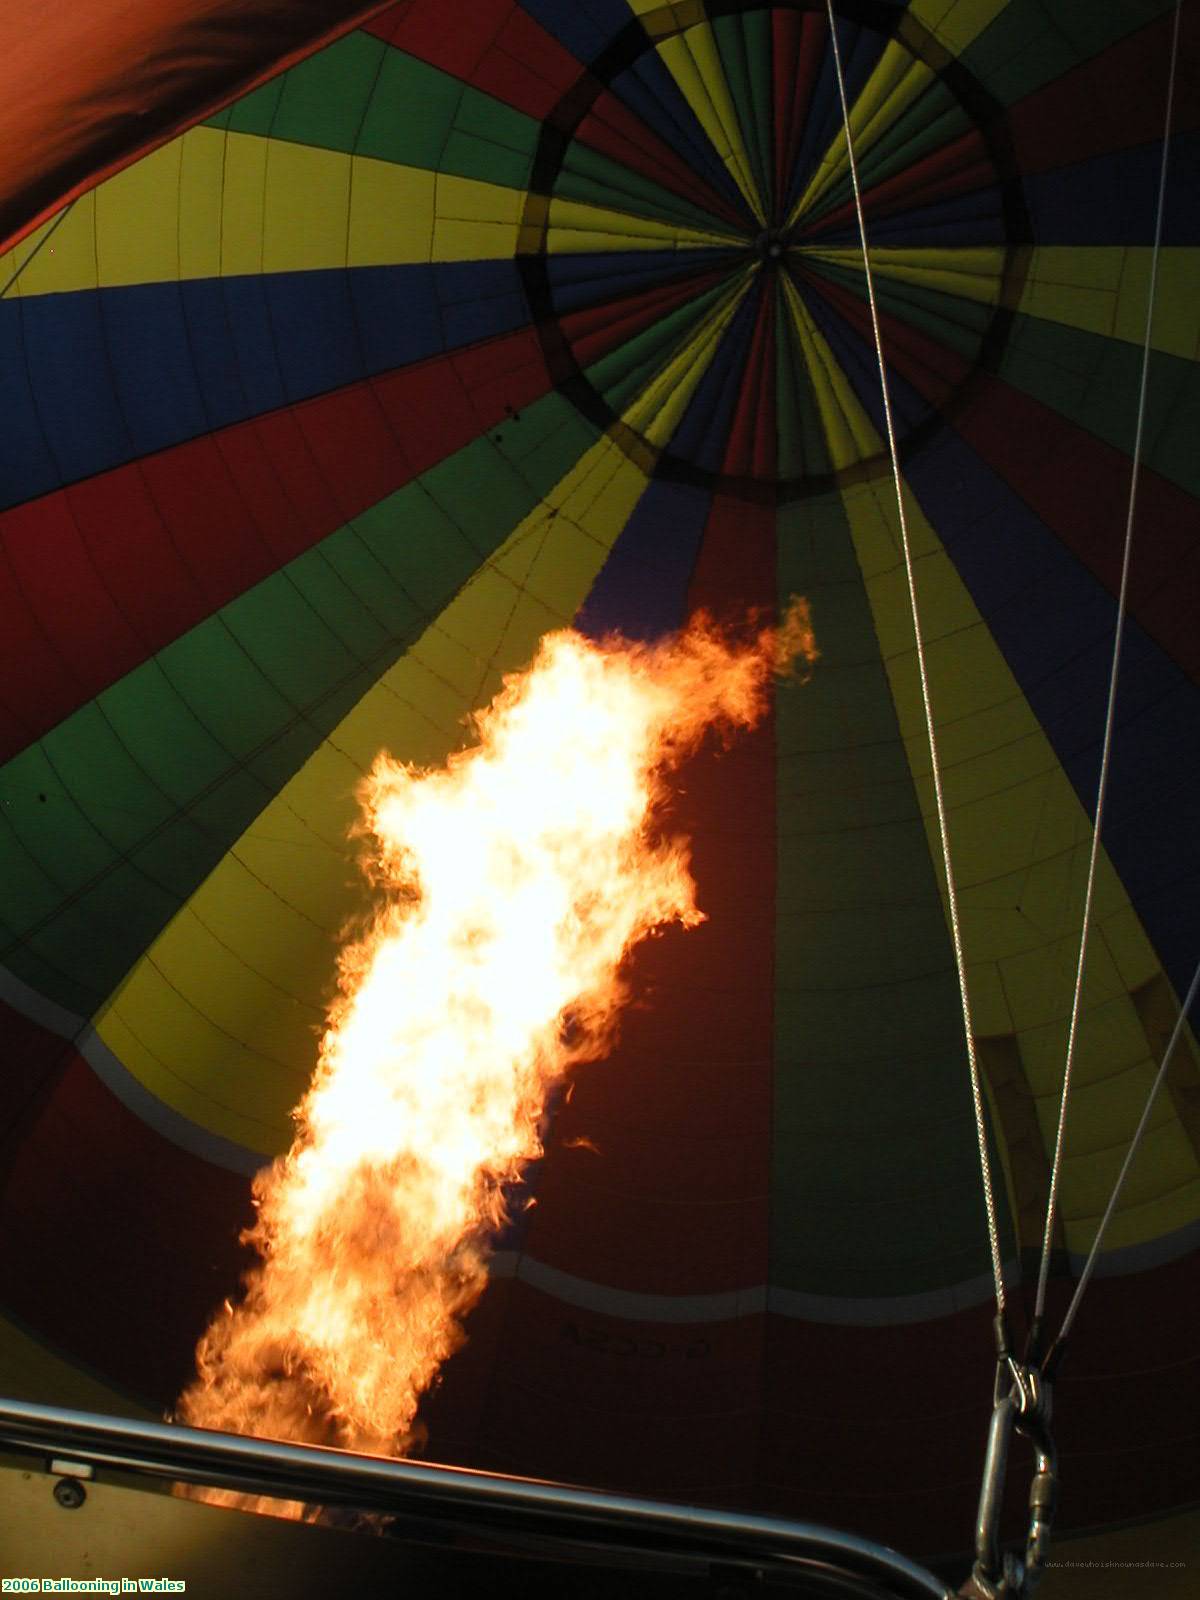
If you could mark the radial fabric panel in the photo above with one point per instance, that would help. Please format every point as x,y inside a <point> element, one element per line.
<point>487,318</point>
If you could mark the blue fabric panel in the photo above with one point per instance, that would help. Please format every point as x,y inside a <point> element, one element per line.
<point>25,452</point>
<point>474,305</point>
<point>1054,622</point>
<point>975,218</point>
<point>648,89</point>
<point>1112,199</point>
<point>855,355</point>
<point>71,399</point>
<point>91,380</point>
<point>585,27</point>
<point>703,432</point>
<point>641,590</point>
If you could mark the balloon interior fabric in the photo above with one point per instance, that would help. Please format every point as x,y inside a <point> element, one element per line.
<point>491,316</point>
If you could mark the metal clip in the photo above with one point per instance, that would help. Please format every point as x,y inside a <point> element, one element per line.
<point>999,1574</point>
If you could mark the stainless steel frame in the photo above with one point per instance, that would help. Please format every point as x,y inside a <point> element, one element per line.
<point>439,1503</point>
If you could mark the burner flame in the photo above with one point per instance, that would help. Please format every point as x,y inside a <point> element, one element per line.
<point>510,883</point>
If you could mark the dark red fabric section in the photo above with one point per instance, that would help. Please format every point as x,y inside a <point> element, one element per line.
<point>751,448</point>
<point>491,44</point>
<point>877,1430</point>
<point>1113,102</point>
<point>92,86</point>
<point>670,1409</point>
<point>798,42</point>
<point>96,577</point>
<point>596,330</point>
<point>115,1245</point>
<point>674,1198</point>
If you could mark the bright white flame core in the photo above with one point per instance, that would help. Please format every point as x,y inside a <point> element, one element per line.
<point>513,882</point>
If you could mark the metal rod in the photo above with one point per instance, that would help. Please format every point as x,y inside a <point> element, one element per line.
<point>991,1493</point>
<point>454,1495</point>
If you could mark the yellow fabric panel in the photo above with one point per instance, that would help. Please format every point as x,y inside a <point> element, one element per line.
<point>662,19</point>
<point>1104,290</point>
<point>128,230</point>
<point>576,226</point>
<point>657,411</point>
<point>663,14</point>
<point>955,24</point>
<point>473,221</point>
<point>850,435</point>
<point>1019,840</point>
<point>973,273</point>
<point>232,993</point>
<point>694,62</point>
<point>215,203</point>
<point>898,79</point>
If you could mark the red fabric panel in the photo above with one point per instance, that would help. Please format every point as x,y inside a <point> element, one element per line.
<point>115,1245</point>
<point>490,44</point>
<point>453,35</point>
<point>612,129</point>
<point>960,167</point>
<point>751,447</point>
<point>878,1430</point>
<point>552,1390</point>
<point>98,576</point>
<point>91,86</point>
<point>1114,102</point>
<point>799,42</point>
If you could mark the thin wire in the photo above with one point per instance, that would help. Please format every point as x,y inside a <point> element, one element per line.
<point>1110,716</point>
<point>943,829</point>
<point>1129,1155</point>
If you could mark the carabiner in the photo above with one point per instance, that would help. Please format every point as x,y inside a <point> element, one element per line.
<point>999,1574</point>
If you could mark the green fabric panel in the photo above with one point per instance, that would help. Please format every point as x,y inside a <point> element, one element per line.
<point>1095,381</point>
<point>621,375</point>
<point>591,177</point>
<point>875,1186</point>
<point>320,101</point>
<point>360,95</point>
<point>801,442</point>
<point>149,785</point>
<point>1031,43</point>
<point>951,320</point>
<point>744,43</point>
<point>934,120</point>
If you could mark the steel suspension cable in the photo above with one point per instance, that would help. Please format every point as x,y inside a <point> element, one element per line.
<point>939,797</point>
<point>1110,715</point>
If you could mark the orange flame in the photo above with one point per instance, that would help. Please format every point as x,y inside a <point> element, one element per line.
<point>513,882</point>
